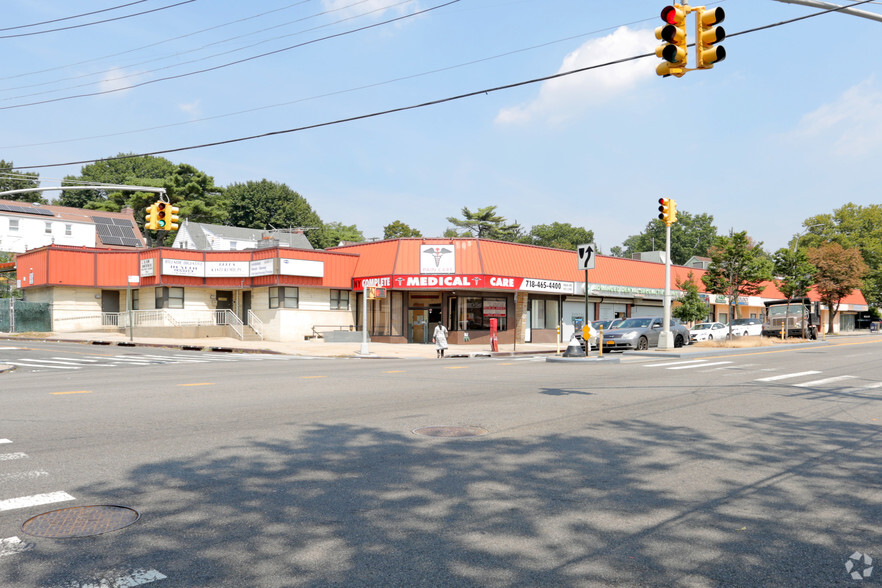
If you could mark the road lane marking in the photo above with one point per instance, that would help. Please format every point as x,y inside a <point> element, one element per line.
<point>23,475</point>
<point>674,363</point>
<point>34,500</point>
<point>824,381</point>
<point>71,392</point>
<point>11,456</point>
<point>13,545</point>
<point>394,372</point>
<point>455,367</point>
<point>112,579</point>
<point>699,365</point>
<point>198,384</point>
<point>2,441</point>
<point>311,377</point>
<point>50,367</point>
<point>786,376</point>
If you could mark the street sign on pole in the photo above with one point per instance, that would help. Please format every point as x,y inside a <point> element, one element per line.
<point>586,256</point>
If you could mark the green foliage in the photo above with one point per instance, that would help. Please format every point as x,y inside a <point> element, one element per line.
<point>691,235</point>
<point>484,223</point>
<point>14,180</point>
<point>839,273</point>
<point>559,236</point>
<point>399,230</point>
<point>691,307</point>
<point>270,205</point>
<point>335,233</point>
<point>738,268</point>
<point>852,226</point>
<point>144,170</point>
<point>794,273</point>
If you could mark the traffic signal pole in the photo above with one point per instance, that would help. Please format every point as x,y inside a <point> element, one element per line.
<point>665,340</point>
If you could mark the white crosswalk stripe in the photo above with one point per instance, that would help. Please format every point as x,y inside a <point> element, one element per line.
<point>823,381</point>
<point>13,545</point>
<point>42,365</point>
<point>23,475</point>
<point>787,376</point>
<point>2,441</point>
<point>11,456</point>
<point>34,500</point>
<point>675,363</point>
<point>114,580</point>
<point>700,365</point>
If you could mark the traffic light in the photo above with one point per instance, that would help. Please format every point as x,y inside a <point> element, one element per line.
<point>707,53</point>
<point>667,210</point>
<point>673,33</point>
<point>151,220</point>
<point>172,217</point>
<point>162,215</point>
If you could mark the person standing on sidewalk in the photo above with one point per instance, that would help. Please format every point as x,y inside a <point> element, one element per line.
<point>439,338</point>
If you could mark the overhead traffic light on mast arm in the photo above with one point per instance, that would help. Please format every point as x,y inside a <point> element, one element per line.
<point>162,215</point>
<point>173,217</point>
<point>673,33</point>
<point>667,210</point>
<point>707,35</point>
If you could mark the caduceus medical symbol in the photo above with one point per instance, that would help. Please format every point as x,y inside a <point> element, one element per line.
<point>437,252</point>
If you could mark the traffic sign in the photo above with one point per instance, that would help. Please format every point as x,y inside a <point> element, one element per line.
<point>586,256</point>
<point>587,332</point>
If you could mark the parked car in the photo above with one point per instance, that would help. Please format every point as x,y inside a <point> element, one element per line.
<point>607,324</point>
<point>708,332</point>
<point>747,326</point>
<point>642,333</point>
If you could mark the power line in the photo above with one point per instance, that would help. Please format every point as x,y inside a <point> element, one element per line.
<point>436,102</point>
<point>88,24</point>
<point>45,22</point>
<point>231,63</point>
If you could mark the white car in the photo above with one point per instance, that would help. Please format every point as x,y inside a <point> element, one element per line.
<point>744,327</point>
<point>708,332</point>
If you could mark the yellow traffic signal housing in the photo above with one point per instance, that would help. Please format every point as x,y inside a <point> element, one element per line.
<point>673,33</point>
<point>151,219</point>
<point>173,217</point>
<point>667,210</point>
<point>162,215</point>
<point>707,35</point>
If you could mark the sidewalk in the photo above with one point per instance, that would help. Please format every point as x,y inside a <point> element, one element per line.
<point>313,348</point>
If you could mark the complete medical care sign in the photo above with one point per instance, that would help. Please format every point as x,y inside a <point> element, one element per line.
<point>473,281</point>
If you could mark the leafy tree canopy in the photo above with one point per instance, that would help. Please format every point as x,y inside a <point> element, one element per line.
<point>738,267</point>
<point>559,236</point>
<point>399,230</point>
<point>691,235</point>
<point>270,205</point>
<point>691,307</point>
<point>484,223</point>
<point>794,273</point>
<point>336,233</point>
<point>14,180</point>
<point>839,273</point>
<point>144,170</point>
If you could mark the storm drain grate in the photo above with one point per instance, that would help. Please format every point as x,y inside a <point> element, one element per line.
<point>448,431</point>
<point>80,521</point>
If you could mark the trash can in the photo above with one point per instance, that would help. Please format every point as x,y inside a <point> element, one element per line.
<point>874,327</point>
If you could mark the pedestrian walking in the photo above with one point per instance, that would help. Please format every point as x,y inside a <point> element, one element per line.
<point>439,338</point>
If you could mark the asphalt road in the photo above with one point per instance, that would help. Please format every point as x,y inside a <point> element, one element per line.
<point>757,469</point>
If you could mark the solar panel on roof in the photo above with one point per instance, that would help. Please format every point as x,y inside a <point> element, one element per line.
<point>112,240</point>
<point>103,220</point>
<point>131,242</point>
<point>123,222</point>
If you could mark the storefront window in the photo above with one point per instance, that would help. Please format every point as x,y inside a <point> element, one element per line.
<point>284,297</point>
<point>475,312</point>
<point>339,300</point>
<point>169,297</point>
<point>544,314</point>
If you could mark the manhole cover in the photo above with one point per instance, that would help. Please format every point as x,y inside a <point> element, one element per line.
<point>451,431</point>
<point>80,521</point>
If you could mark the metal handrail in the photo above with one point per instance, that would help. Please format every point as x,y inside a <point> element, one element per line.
<point>256,324</point>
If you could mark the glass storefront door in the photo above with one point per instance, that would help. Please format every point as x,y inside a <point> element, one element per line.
<point>418,326</point>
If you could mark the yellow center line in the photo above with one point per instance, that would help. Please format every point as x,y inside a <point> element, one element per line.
<point>72,392</point>
<point>455,367</point>
<point>198,384</point>
<point>394,372</point>
<point>311,377</point>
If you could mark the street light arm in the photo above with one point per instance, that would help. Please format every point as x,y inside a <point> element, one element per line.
<point>829,6</point>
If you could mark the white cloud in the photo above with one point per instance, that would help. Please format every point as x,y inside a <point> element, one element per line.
<point>115,80</point>
<point>849,126</point>
<point>193,109</point>
<point>349,8</point>
<point>563,98</point>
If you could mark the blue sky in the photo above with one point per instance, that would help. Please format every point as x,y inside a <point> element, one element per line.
<point>788,126</point>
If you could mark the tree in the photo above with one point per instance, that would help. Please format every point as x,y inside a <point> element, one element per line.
<point>197,196</point>
<point>692,307</point>
<point>485,224</point>
<point>336,233</point>
<point>738,267</point>
<point>270,205</point>
<point>13,180</point>
<point>691,235</point>
<point>794,273</point>
<point>559,236</point>
<point>852,226</point>
<point>399,230</point>
<point>144,170</point>
<point>839,273</point>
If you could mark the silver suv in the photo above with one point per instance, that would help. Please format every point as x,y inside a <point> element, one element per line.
<point>642,333</point>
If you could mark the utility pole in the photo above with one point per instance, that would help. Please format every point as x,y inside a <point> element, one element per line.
<point>667,212</point>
